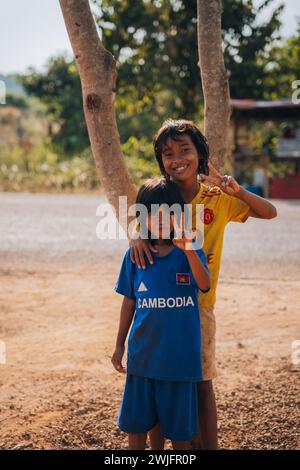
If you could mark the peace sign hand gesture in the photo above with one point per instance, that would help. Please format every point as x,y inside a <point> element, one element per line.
<point>183,241</point>
<point>227,183</point>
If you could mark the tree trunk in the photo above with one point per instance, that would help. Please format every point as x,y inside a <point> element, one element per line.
<point>97,71</point>
<point>214,80</point>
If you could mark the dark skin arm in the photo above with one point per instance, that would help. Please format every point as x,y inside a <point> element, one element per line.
<point>126,316</point>
<point>258,206</point>
<point>200,274</point>
<point>140,248</point>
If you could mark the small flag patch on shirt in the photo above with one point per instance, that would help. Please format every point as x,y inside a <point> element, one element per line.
<point>142,287</point>
<point>183,279</point>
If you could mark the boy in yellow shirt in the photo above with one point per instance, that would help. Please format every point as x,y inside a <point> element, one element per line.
<point>183,156</point>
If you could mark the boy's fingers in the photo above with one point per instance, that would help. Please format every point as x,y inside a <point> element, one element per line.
<point>136,256</point>
<point>179,230</point>
<point>187,238</point>
<point>213,170</point>
<point>117,364</point>
<point>225,180</point>
<point>182,218</point>
<point>142,258</point>
<point>210,179</point>
<point>132,255</point>
<point>148,254</point>
<point>205,177</point>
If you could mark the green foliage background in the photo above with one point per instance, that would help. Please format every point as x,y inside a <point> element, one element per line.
<point>155,46</point>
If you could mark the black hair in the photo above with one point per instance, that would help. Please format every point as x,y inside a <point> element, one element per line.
<point>172,129</point>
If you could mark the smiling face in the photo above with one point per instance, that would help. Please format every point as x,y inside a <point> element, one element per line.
<point>180,158</point>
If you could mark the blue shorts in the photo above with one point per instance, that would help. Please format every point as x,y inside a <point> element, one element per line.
<point>149,401</point>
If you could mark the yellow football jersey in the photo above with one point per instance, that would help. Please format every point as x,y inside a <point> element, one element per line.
<point>219,209</point>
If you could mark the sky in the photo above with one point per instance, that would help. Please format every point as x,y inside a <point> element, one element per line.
<point>32,31</point>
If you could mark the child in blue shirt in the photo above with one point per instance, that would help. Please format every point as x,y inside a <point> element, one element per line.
<point>164,345</point>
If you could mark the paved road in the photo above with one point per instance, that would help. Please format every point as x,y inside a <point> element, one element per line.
<point>44,231</point>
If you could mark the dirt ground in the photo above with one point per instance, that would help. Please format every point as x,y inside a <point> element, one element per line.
<point>59,318</point>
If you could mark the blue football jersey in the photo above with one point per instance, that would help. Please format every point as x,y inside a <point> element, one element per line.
<point>165,337</point>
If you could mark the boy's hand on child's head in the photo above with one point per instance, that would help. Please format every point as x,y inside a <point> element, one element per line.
<point>117,359</point>
<point>139,249</point>
<point>225,182</point>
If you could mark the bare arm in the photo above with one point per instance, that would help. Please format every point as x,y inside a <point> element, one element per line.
<point>126,316</point>
<point>259,207</point>
<point>199,272</point>
<point>140,248</point>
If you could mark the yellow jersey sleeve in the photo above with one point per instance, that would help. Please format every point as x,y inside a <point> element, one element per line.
<point>237,210</point>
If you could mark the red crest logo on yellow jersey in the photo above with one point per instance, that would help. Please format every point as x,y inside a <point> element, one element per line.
<point>207,216</point>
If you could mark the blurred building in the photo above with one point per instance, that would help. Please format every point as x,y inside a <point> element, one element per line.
<point>251,166</point>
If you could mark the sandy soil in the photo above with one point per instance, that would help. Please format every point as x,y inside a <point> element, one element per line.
<point>58,318</point>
